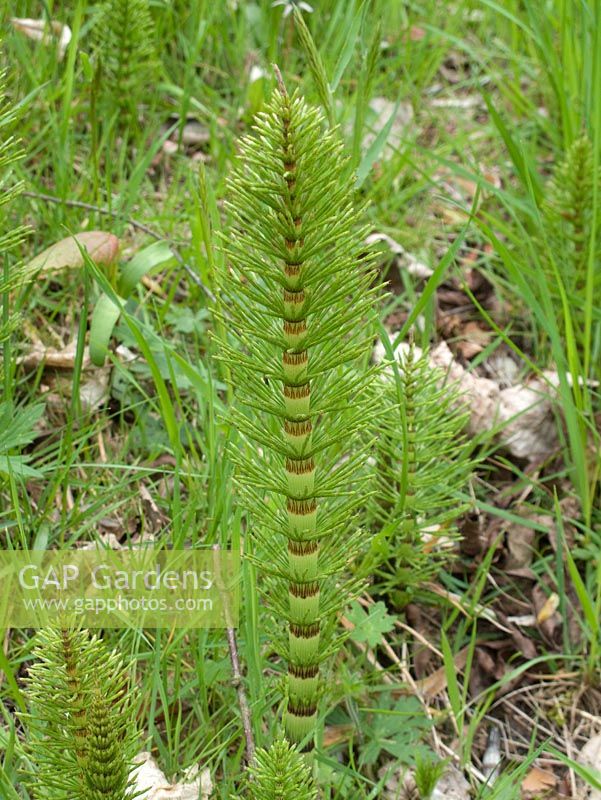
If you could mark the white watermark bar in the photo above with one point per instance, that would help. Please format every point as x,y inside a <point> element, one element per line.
<point>120,588</point>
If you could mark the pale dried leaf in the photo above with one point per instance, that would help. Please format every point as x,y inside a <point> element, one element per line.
<point>545,608</point>
<point>436,683</point>
<point>538,780</point>
<point>53,357</point>
<point>460,192</point>
<point>195,134</point>
<point>473,340</point>
<point>94,392</point>
<point>405,260</point>
<point>523,620</point>
<point>523,412</point>
<point>549,607</point>
<point>471,101</point>
<point>337,734</point>
<point>530,430</point>
<point>503,368</point>
<point>256,73</point>
<point>40,31</point>
<point>520,547</point>
<point>149,778</point>
<point>452,786</point>
<point>401,353</point>
<point>590,756</point>
<point>169,147</point>
<point>102,248</point>
<point>125,354</point>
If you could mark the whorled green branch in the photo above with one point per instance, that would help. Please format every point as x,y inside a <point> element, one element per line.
<point>423,464</point>
<point>10,235</point>
<point>302,294</point>
<point>81,728</point>
<point>124,38</point>
<point>280,773</point>
<point>571,234</point>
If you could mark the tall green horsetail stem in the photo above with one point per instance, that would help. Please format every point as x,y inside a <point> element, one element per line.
<point>301,285</point>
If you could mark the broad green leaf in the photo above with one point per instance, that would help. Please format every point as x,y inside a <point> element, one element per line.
<point>143,261</point>
<point>370,627</point>
<point>105,316</point>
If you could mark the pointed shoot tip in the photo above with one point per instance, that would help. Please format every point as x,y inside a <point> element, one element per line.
<point>280,80</point>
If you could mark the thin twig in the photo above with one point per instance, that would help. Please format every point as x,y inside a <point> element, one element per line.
<point>238,683</point>
<point>48,198</point>
<point>237,680</point>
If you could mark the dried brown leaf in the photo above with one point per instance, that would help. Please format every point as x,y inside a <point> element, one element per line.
<point>102,248</point>
<point>452,786</point>
<point>405,261</point>
<point>53,357</point>
<point>547,617</point>
<point>548,608</point>
<point>590,756</point>
<point>523,412</point>
<point>520,541</point>
<point>538,780</point>
<point>337,734</point>
<point>436,683</point>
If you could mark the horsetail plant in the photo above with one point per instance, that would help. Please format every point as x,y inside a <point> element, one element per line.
<point>81,723</point>
<point>570,231</point>
<point>301,286</point>
<point>124,34</point>
<point>280,773</point>
<point>422,467</point>
<point>10,235</point>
